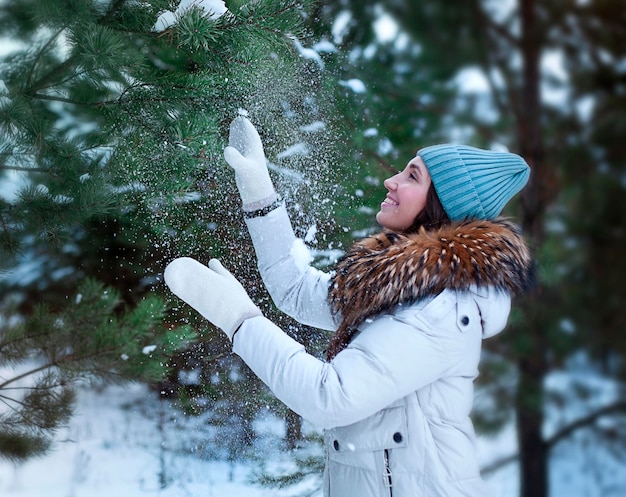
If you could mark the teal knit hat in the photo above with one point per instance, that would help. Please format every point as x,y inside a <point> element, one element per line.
<point>473,183</point>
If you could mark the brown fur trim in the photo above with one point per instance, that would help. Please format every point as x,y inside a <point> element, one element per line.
<point>389,268</point>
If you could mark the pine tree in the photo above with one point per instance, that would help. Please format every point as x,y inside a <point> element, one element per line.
<point>113,116</point>
<point>91,336</point>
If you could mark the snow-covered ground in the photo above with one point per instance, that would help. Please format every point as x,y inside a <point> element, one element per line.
<point>117,445</point>
<point>125,441</point>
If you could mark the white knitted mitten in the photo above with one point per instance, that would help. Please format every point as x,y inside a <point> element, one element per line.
<point>246,156</point>
<point>212,291</point>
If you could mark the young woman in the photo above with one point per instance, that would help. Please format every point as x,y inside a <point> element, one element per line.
<point>408,307</point>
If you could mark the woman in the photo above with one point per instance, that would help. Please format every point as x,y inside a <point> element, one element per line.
<point>409,308</point>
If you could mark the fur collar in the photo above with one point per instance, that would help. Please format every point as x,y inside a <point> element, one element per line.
<point>389,268</point>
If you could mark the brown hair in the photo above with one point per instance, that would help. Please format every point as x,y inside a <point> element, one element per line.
<point>432,215</point>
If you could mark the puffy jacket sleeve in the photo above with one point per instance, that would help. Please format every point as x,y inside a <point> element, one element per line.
<point>297,289</point>
<point>386,362</point>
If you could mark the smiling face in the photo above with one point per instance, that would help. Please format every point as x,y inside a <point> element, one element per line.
<point>406,197</point>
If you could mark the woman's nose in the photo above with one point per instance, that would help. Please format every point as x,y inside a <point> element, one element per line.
<point>391,183</point>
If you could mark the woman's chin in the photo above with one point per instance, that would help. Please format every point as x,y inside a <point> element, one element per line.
<point>380,218</point>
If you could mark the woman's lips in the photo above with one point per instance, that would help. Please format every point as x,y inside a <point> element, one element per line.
<point>389,202</point>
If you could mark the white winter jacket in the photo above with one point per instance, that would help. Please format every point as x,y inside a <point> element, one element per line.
<point>395,403</point>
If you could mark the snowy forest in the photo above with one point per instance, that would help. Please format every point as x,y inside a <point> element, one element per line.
<point>113,119</point>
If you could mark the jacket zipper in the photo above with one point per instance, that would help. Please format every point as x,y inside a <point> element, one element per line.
<point>387,472</point>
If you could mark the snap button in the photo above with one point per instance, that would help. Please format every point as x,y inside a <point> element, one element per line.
<point>464,320</point>
<point>397,437</point>
<point>336,444</point>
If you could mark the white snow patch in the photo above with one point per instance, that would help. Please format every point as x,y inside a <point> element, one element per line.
<point>308,53</point>
<point>500,10</point>
<point>311,233</point>
<point>340,26</point>
<point>472,80</point>
<point>556,92</point>
<point>63,199</point>
<point>324,46</point>
<point>354,84</point>
<point>60,273</point>
<point>567,326</point>
<point>4,92</point>
<point>43,189</point>
<point>213,9</point>
<point>370,132</point>
<point>297,149</point>
<point>385,146</point>
<point>130,187</point>
<point>553,63</point>
<point>314,127</point>
<point>26,271</point>
<point>385,26</point>
<point>164,21</point>
<point>12,182</point>
<point>148,349</point>
<point>187,198</point>
<point>585,107</point>
<point>190,377</point>
<point>8,45</point>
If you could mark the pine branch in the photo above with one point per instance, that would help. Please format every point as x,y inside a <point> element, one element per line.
<point>500,463</point>
<point>175,97</point>
<point>493,26</point>
<point>5,400</point>
<point>494,32</point>
<point>39,96</point>
<point>115,7</point>
<point>27,373</point>
<point>42,51</point>
<point>562,434</point>
<point>70,358</point>
<point>45,80</point>
<point>64,66</point>
<point>4,167</point>
<point>273,15</point>
<point>568,430</point>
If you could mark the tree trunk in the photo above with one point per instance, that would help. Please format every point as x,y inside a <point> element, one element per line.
<point>533,450</point>
<point>532,364</point>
